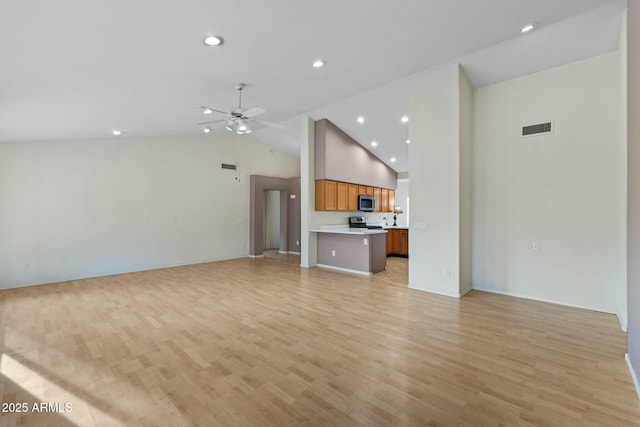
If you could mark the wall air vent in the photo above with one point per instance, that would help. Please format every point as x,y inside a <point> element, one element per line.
<point>228,166</point>
<point>537,129</point>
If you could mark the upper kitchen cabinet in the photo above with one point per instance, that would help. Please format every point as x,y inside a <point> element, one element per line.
<point>342,196</point>
<point>338,157</point>
<point>352,197</point>
<point>384,200</point>
<point>326,195</point>
<point>379,203</point>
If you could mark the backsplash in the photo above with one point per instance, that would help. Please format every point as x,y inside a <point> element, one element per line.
<point>342,218</point>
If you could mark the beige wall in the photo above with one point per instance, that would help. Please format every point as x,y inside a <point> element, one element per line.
<point>339,157</point>
<point>77,209</point>
<point>561,190</point>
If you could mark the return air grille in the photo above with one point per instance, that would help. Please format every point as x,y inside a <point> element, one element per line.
<point>537,129</point>
<point>228,166</point>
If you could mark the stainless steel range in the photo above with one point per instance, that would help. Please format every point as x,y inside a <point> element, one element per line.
<point>361,222</point>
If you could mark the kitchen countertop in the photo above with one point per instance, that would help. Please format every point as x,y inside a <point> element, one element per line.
<point>399,227</point>
<point>344,229</point>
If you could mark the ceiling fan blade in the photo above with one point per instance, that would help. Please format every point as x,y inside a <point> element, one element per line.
<point>217,125</point>
<point>213,121</point>
<point>270,124</point>
<point>226,113</point>
<point>252,112</point>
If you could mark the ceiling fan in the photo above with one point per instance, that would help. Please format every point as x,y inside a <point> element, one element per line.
<point>238,119</point>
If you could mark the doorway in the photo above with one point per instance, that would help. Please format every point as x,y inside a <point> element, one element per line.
<point>271,220</point>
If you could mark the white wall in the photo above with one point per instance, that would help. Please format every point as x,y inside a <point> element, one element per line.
<point>621,295</point>
<point>561,190</point>
<point>79,209</point>
<point>402,192</point>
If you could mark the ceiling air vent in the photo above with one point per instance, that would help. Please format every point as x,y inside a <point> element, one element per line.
<point>228,166</point>
<point>537,129</point>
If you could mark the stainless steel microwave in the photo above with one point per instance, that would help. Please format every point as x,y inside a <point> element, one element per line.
<point>366,203</point>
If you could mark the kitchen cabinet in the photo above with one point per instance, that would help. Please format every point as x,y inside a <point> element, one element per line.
<point>392,200</point>
<point>326,195</point>
<point>341,196</point>
<point>352,197</point>
<point>384,200</point>
<point>362,189</point>
<point>398,241</point>
<point>389,243</point>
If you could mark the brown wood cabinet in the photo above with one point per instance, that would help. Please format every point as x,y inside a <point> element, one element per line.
<point>384,204</point>
<point>343,196</point>
<point>398,241</point>
<point>326,195</point>
<point>378,197</point>
<point>392,200</point>
<point>352,198</point>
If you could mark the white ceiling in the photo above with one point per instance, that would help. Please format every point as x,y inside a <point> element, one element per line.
<point>77,69</point>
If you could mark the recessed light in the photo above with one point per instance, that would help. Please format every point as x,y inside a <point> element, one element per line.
<point>374,144</point>
<point>404,119</point>
<point>207,130</point>
<point>318,63</point>
<point>408,141</point>
<point>213,41</point>
<point>393,159</point>
<point>116,132</point>
<point>360,119</point>
<point>528,27</point>
<point>207,111</point>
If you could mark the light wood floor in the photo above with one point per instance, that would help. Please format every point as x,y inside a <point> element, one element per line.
<point>257,342</point>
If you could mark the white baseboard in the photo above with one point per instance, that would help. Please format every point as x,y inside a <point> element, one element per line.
<point>633,373</point>
<point>519,295</point>
<point>138,269</point>
<point>623,322</point>
<point>457,295</point>
<point>256,256</point>
<point>345,270</point>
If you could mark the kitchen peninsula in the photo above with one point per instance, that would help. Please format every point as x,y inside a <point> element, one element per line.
<point>354,250</point>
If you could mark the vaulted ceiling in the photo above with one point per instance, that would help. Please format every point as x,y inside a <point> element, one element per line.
<point>77,69</point>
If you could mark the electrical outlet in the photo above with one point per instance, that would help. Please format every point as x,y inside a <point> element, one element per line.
<point>447,273</point>
<point>333,253</point>
<point>366,241</point>
<point>297,242</point>
<point>535,246</point>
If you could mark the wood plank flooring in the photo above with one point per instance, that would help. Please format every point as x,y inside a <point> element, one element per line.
<point>257,342</point>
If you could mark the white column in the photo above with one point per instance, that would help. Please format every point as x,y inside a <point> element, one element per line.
<point>440,190</point>
<point>308,243</point>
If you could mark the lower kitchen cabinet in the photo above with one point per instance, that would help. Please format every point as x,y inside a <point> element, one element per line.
<point>398,241</point>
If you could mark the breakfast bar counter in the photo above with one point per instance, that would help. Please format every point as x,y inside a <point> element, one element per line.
<point>354,250</point>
